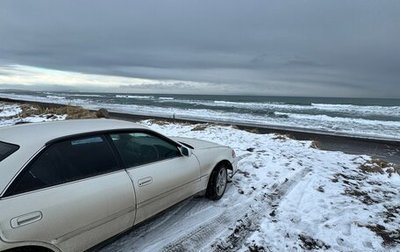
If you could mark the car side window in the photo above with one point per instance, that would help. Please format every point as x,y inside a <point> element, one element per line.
<point>139,148</point>
<point>64,162</point>
<point>6,149</point>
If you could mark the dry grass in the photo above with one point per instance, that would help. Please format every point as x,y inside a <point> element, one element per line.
<point>159,122</point>
<point>380,166</point>
<point>283,137</point>
<point>200,127</point>
<point>72,112</point>
<point>253,130</point>
<point>315,144</point>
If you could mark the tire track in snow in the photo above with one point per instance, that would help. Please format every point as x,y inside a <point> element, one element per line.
<point>134,239</point>
<point>246,223</point>
<point>266,203</point>
<point>203,235</point>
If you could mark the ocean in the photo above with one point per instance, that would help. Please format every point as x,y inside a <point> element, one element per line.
<point>362,117</point>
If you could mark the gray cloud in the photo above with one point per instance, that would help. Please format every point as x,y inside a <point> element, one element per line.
<point>322,48</point>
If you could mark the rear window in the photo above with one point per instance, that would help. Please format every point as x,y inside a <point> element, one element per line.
<point>7,149</point>
<point>66,161</point>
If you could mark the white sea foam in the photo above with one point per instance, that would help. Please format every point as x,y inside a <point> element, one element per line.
<point>55,97</point>
<point>250,104</point>
<point>354,110</point>
<point>135,96</point>
<point>326,118</point>
<point>363,110</point>
<point>247,105</point>
<point>257,105</point>
<point>86,95</point>
<point>166,98</point>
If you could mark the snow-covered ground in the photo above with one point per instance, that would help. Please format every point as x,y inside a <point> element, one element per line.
<point>286,196</point>
<point>10,115</point>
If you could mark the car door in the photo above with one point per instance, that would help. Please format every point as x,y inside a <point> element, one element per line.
<point>73,195</point>
<point>162,176</point>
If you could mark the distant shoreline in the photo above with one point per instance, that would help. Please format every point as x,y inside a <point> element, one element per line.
<point>377,147</point>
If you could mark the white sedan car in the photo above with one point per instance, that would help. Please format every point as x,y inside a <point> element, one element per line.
<point>69,185</point>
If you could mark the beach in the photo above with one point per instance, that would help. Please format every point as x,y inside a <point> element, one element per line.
<point>293,190</point>
<point>377,147</point>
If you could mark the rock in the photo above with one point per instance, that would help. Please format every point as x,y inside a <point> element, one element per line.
<point>102,113</point>
<point>199,127</point>
<point>21,122</point>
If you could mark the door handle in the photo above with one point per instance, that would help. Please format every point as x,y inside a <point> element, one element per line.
<point>145,181</point>
<point>26,219</point>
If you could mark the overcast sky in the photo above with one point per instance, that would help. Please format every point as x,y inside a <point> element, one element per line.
<point>303,48</point>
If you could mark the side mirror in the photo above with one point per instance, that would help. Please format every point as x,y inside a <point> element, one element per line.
<point>185,151</point>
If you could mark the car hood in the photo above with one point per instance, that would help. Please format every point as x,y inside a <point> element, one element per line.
<point>195,143</point>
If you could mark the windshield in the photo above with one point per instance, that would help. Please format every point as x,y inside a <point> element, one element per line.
<point>7,149</point>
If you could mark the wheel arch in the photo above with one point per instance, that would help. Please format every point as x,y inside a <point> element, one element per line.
<point>30,248</point>
<point>224,162</point>
<point>218,164</point>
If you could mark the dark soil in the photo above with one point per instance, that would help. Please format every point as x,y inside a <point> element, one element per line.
<point>310,243</point>
<point>360,195</point>
<point>390,238</point>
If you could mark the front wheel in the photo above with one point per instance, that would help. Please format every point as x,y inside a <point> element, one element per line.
<point>217,183</point>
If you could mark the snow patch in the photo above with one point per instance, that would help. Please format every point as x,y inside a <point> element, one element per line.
<point>9,115</point>
<point>9,110</point>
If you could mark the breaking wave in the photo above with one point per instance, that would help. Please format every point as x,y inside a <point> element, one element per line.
<point>360,120</point>
<point>135,96</point>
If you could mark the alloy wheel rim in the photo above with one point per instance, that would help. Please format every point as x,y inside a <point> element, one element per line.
<point>221,182</point>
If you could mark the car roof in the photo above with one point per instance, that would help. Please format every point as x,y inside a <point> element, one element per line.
<point>41,133</point>
<point>32,137</point>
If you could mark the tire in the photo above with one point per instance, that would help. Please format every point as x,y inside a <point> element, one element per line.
<point>29,249</point>
<point>217,183</point>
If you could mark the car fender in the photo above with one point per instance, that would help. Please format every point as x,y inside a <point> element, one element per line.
<point>6,245</point>
<point>209,159</point>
